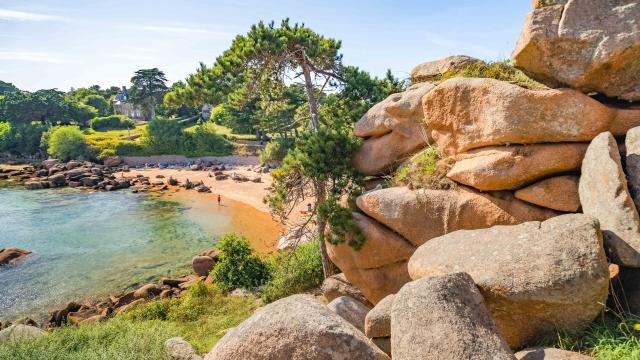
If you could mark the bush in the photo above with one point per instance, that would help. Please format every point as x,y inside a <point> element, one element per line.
<point>164,136</point>
<point>20,139</point>
<point>67,142</point>
<point>275,151</point>
<point>204,140</point>
<point>112,122</point>
<point>238,267</point>
<point>294,272</point>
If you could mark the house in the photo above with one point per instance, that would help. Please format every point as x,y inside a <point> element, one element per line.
<point>122,106</point>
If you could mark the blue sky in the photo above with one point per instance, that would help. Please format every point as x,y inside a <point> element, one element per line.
<point>71,43</point>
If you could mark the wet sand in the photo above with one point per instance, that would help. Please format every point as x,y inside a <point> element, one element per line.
<point>257,226</point>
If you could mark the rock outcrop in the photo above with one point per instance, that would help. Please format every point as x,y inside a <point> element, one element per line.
<point>592,46</point>
<point>295,328</point>
<point>12,256</point>
<point>444,317</point>
<point>550,354</point>
<point>378,268</point>
<point>350,309</point>
<point>469,113</point>
<point>433,70</point>
<point>178,349</point>
<point>20,332</point>
<point>378,321</point>
<point>337,285</point>
<point>393,130</point>
<point>557,193</point>
<point>537,278</point>
<point>511,167</point>
<point>424,214</point>
<point>604,195</point>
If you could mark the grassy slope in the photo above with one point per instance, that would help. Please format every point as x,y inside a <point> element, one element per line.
<point>201,318</point>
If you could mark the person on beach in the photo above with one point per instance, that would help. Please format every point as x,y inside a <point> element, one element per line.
<point>219,198</point>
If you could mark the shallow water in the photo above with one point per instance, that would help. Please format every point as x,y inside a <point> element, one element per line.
<point>92,244</point>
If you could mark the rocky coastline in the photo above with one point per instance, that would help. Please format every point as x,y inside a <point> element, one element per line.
<point>89,311</point>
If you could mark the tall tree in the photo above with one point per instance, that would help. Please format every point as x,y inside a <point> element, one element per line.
<point>6,87</point>
<point>149,86</point>
<point>268,55</point>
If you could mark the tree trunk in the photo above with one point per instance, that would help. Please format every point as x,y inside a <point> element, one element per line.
<point>327,265</point>
<point>313,106</point>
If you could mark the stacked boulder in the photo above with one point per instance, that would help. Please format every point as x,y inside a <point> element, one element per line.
<point>520,247</point>
<point>520,158</point>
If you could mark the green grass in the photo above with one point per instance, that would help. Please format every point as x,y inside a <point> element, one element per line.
<point>225,131</point>
<point>422,171</point>
<point>500,70</point>
<point>607,338</point>
<point>201,317</point>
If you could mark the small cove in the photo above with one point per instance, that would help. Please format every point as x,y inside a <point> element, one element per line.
<point>93,244</point>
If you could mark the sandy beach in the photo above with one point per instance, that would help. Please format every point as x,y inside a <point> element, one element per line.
<point>250,216</point>
<point>247,192</point>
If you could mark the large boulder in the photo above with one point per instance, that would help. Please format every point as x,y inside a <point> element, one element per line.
<point>632,163</point>
<point>550,354</point>
<point>379,267</point>
<point>424,214</point>
<point>604,195</point>
<point>20,332</point>
<point>511,167</point>
<point>393,129</point>
<point>537,278</point>
<point>377,324</point>
<point>337,285</point>
<point>202,265</point>
<point>592,46</point>
<point>433,70</point>
<point>295,328</point>
<point>351,310</point>
<point>442,318</point>
<point>11,256</point>
<point>557,193</point>
<point>469,113</point>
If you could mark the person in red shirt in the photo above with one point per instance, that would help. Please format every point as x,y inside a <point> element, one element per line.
<point>219,198</point>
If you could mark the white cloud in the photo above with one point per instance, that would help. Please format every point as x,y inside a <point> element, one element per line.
<point>6,14</point>
<point>31,56</point>
<point>178,29</point>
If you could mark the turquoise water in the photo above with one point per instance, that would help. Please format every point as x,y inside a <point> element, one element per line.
<point>91,244</point>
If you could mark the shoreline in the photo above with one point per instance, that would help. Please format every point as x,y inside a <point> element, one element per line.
<point>242,197</point>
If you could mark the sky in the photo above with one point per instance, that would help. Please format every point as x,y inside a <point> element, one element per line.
<point>71,43</point>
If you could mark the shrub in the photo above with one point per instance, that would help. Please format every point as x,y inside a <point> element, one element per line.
<point>129,148</point>
<point>275,151</point>
<point>238,267</point>
<point>67,142</point>
<point>294,272</point>
<point>164,136</point>
<point>112,122</point>
<point>204,140</point>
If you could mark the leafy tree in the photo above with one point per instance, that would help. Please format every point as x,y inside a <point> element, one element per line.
<point>67,142</point>
<point>46,106</point>
<point>6,87</point>
<point>20,139</point>
<point>99,103</point>
<point>149,87</point>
